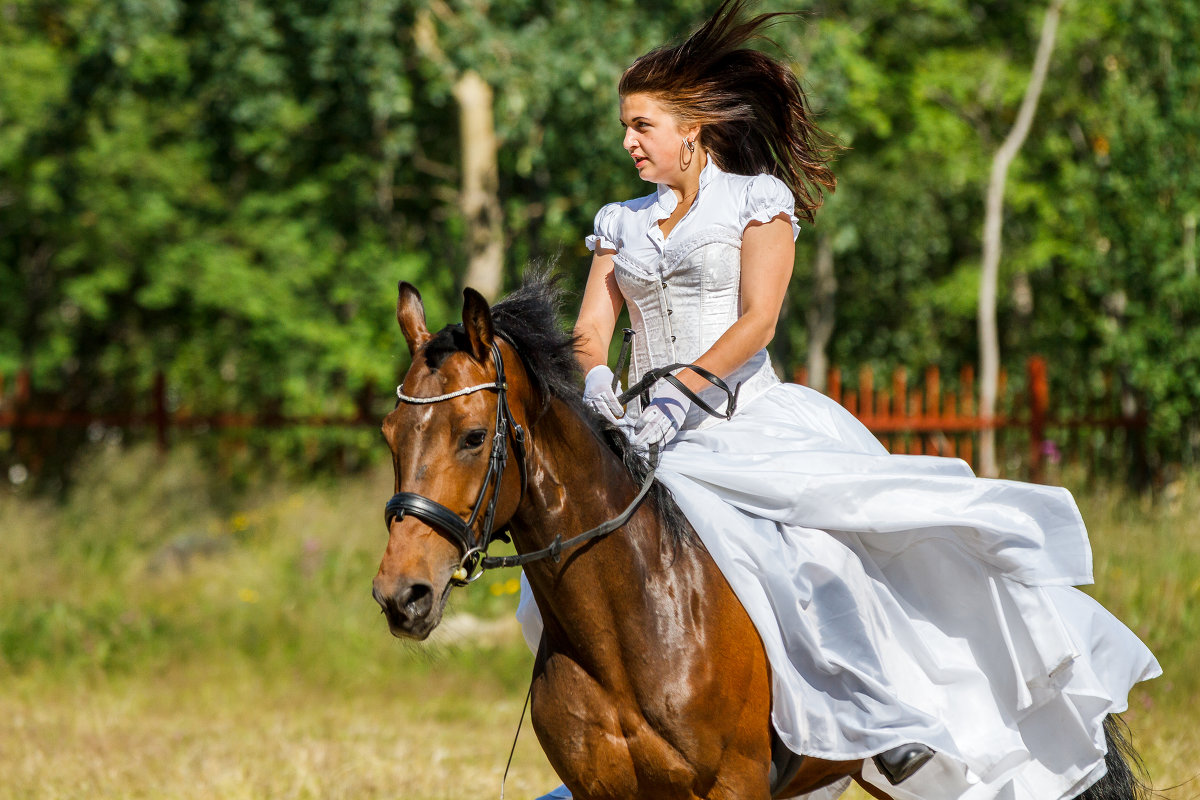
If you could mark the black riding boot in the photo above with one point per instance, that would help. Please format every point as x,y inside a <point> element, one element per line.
<point>901,763</point>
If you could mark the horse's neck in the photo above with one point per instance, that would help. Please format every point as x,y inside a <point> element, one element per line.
<point>575,481</point>
<point>598,591</point>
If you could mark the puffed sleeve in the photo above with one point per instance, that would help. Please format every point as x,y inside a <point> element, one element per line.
<point>605,235</point>
<point>766,198</point>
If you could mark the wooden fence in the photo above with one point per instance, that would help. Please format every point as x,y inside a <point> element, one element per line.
<point>18,411</point>
<point>925,419</point>
<point>922,420</point>
<point>928,417</point>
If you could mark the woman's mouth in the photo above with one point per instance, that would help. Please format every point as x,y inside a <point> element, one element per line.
<point>638,161</point>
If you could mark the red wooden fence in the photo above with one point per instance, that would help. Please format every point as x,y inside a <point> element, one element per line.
<point>915,420</point>
<point>17,412</point>
<point>925,420</point>
<point>908,418</point>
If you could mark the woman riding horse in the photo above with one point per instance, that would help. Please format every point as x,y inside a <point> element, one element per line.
<point>900,621</point>
<point>651,681</point>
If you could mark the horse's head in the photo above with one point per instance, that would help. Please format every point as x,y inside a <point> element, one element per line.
<point>456,482</point>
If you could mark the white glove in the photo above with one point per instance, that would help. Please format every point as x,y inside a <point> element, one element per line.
<point>598,394</point>
<point>662,419</point>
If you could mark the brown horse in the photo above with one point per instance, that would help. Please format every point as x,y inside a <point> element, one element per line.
<point>651,680</point>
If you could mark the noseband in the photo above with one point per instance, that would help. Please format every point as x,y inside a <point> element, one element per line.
<point>441,518</point>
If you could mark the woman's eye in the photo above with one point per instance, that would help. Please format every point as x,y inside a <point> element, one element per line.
<point>474,439</point>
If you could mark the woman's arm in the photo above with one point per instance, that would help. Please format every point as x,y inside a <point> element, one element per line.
<point>602,302</point>
<point>768,254</point>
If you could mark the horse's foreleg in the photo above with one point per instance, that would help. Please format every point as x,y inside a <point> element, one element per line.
<point>741,779</point>
<point>579,730</point>
<point>601,746</point>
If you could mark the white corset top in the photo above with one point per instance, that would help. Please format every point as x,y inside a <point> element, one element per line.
<point>681,312</point>
<point>683,290</point>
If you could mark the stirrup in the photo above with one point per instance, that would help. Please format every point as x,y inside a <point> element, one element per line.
<point>901,763</point>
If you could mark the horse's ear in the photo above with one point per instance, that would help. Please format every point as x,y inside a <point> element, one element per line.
<point>477,321</point>
<point>410,313</point>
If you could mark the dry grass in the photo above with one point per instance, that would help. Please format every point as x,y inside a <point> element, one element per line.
<point>186,644</point>
<point>210,732</point>
<point>231,734</point>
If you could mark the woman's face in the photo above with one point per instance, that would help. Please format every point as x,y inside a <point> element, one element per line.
<point>655,140</point>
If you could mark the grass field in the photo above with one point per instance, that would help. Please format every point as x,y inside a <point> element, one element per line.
<point>162,636</point>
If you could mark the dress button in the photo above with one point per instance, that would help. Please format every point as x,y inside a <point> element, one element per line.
<point>670,311</point>
<point>664,284</point>
<point>672,338</point>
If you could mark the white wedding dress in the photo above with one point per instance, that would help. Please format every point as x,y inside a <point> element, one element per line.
<point>899,598</point>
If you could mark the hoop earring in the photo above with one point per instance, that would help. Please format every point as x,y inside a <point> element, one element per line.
<point>684,163</point>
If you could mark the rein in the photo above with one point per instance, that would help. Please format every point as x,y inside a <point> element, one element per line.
<point>475,560</point>
<point>558,545</point>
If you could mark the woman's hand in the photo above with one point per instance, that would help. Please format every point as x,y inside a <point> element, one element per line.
<point>662,419</point>
<point>599,395</point>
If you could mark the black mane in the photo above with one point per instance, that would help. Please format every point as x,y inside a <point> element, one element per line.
<point>529,318</point>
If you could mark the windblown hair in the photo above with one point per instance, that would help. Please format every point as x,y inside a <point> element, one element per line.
<point>753,112</point>
<point>529,320</point>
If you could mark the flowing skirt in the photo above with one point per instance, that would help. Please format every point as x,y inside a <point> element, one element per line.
<point>902,599</point>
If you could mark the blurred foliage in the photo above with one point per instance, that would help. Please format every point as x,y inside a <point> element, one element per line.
<point>1099,262</point>
<point>228,191</point>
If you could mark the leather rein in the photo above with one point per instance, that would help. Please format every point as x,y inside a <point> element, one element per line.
<point>475,559</point>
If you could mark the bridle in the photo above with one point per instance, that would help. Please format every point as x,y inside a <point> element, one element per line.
<point>475,560</point>
<point>439,517</point>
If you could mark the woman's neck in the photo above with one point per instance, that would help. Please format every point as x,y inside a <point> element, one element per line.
<point>688,184</point>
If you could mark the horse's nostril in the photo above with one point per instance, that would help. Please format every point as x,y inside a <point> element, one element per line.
<point>417,600</point>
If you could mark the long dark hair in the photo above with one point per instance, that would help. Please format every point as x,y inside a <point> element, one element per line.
<point>753,112</point>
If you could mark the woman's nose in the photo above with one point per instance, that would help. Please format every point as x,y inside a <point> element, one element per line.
<point>630,141</point>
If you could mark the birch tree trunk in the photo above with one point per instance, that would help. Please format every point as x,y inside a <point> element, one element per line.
<point>989,339</point>
<point>480,185</point>
<point>821,313</point>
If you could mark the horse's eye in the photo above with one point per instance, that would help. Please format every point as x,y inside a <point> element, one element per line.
<point>474,439</point>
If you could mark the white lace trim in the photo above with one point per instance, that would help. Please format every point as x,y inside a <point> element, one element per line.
<point>678,251</point>
<point>769,212</point>
<point>634,267</point>
<point>598,241</point>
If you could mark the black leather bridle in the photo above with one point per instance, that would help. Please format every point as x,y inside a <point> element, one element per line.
<point>475,559</point>
<point>439,517</point>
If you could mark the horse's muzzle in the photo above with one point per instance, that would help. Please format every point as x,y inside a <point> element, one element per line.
<point>411,607</point>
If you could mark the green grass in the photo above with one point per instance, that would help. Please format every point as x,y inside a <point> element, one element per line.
<point>164,636</point>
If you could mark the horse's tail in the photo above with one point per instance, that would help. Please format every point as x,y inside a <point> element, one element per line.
<point>1125,768</point>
